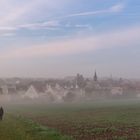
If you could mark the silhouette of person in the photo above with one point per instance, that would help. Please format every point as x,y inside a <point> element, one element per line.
<point>1,113</point>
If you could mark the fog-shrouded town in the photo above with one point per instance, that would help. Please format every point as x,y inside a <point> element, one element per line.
<point>69,89</point>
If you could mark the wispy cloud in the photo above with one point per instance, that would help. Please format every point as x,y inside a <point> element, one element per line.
<point>69,25</point>
<point>7,34</point>
<point>16,13</point>
<point>117,8</point>
<point>8,28</point>
<point>13,11</point>
<point>48,25</point>
<point>126,37</point>
<point>113,9</point>
<point>7,31</point>
<point>42,25</point>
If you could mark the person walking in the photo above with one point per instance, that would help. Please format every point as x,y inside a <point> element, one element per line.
<point>1,113</point>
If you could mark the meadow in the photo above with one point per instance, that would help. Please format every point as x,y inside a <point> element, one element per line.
<point>109,120</point>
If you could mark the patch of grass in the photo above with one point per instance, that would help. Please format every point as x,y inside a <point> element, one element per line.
<point>17,128</point>
<point>98,130</point>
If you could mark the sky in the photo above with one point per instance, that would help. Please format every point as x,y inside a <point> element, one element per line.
<point>59,38</point>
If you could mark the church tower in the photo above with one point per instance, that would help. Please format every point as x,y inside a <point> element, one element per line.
<point>95,77</point>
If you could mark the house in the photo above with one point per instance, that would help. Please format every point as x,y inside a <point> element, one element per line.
<point>55,93</point>
<point>4,89</point>
<point>117,91</point>
<point>31,93</point>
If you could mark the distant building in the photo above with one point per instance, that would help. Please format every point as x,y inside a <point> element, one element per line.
<point>12,91</point>
<point>117,91</point>
<point>31,93</point>
<point>95,77</point>
<point>4,89</point>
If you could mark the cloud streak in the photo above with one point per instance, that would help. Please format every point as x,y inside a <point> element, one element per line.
<point>49,24</point>
<point>13,12</point>
<point>113,9</point>
<point>43,25</point>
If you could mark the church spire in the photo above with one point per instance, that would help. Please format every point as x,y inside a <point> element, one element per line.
<point>95,77</point>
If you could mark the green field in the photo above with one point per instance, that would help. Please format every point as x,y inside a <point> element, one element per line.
<point>111,120</point>
<point>18,128</point>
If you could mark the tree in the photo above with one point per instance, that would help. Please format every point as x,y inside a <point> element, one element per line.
<point>80,80</point>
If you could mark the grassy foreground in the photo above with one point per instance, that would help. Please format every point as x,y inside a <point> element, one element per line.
<point>17,128</point>
<point>110,120</point>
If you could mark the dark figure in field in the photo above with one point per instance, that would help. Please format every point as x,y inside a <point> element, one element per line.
<point>1,113</point>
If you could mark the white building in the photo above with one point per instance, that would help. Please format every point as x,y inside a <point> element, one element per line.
<point>116,91</point>
<point>31,93</point>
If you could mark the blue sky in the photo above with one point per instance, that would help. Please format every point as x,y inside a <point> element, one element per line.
<point>43,38</point>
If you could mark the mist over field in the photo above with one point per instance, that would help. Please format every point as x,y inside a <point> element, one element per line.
<point>69,89</point>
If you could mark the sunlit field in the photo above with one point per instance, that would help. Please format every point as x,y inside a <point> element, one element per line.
<point>109,120</point>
